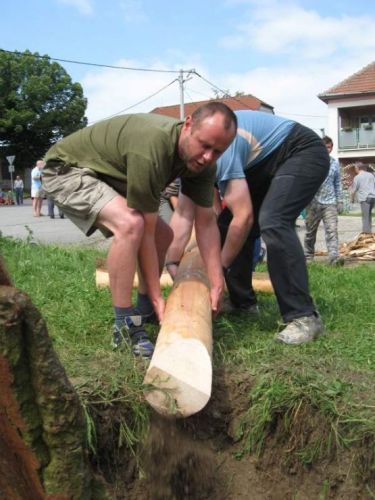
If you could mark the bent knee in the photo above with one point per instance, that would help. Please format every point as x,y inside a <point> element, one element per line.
<point>129,224</point>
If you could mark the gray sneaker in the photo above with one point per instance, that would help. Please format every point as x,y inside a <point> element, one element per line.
<point>301,330</point>
<point>133,333</point>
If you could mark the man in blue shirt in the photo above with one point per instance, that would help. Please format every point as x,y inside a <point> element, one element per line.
<point>326,206</point>
<point>269,173</point>
<point>266,177</point>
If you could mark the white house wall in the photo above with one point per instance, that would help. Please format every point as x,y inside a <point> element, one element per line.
<point>333,124</point>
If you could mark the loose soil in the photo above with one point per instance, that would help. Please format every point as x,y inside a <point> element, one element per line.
<point>201,457</point>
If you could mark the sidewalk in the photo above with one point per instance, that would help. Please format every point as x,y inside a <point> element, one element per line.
<point>18,222</point>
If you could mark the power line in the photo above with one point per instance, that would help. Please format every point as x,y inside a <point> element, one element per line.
<point>137,103</point>
<point>38,56</point>
<point>244,104</point>
<point>191,71</point>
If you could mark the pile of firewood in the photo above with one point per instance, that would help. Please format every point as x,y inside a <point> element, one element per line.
<point>362,248</point>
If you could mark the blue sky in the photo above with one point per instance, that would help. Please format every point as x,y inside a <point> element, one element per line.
<point>283,52</point>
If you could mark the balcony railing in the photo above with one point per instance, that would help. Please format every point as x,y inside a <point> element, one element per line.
<point>357,138</point>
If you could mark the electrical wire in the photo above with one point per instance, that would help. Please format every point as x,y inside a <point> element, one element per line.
<point>189,72</point>
<point>38,56</point>
<point>244,104</point>
<point>137,103</point>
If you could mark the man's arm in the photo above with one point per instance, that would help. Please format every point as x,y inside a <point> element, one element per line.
<point>238,200</point>
<point>338,188</point>
<point>353,189</point>
<point>149,263</point>
<point>208,240</point>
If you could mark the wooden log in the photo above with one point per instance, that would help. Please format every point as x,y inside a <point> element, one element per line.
<point>261,280</point>
<point>179,376</point>
<point>262,283</point>
<point>102,279</point>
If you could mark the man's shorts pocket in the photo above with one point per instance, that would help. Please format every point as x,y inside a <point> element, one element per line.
<point>73,188</point>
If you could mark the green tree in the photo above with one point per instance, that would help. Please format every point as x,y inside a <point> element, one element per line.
<point>223,94</point>
<point>39,104</point>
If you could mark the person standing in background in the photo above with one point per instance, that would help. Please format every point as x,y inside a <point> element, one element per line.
<point>326,205</point>
<point>18,187</point>
<point>36,188</point>
<point>363,188</point>
<point>51,209</point>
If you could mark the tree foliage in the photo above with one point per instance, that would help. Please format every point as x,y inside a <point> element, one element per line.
<point>39,104</point>
<point>224,94</point>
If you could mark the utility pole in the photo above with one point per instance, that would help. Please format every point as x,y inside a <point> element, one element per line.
<point>181,82</point>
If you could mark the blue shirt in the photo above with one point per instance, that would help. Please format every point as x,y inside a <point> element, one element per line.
<point>258,135</point>
<point>330,192</point>
<point>36,179</point>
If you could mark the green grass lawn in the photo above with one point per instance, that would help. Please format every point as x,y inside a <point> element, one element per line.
<point>333,375</point>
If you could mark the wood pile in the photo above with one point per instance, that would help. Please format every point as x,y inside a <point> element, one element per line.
<point>362,248</point>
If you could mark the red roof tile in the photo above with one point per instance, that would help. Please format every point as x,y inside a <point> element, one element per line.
<point>362,82</point>
<point>235,103</point>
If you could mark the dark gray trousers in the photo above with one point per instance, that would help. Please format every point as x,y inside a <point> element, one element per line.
<point>366,209</point>
<point>281,186</point>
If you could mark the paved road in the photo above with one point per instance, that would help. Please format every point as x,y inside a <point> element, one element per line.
<point>18,222</point>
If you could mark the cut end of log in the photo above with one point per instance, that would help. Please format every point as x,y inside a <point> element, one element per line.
<point>179,378</point>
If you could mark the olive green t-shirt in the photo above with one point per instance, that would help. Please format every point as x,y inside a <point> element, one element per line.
<point>138,156</point>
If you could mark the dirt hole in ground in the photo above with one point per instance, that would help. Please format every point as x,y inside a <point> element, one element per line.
<point>202,457</point>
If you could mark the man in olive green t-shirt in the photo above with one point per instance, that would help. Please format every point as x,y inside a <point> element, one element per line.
<point>109,176</point>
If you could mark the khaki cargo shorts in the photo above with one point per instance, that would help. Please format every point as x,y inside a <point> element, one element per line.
<point>79,193</point>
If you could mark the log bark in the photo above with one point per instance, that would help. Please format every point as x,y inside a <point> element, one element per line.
<point>18,464</point>
<point>41,406</point>
<point>179,376</point>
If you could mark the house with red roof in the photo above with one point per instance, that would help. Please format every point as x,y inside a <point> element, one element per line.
<point>236,103</point>
<point>351,116</point>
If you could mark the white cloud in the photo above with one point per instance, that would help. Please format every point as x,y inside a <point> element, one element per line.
<point>133,11</point>
<point>321,52</point>
<point>83,6</point>
<point>287,28</point>
<point>293,90</point>
<point>302,53</point>
<point>111,91</point>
